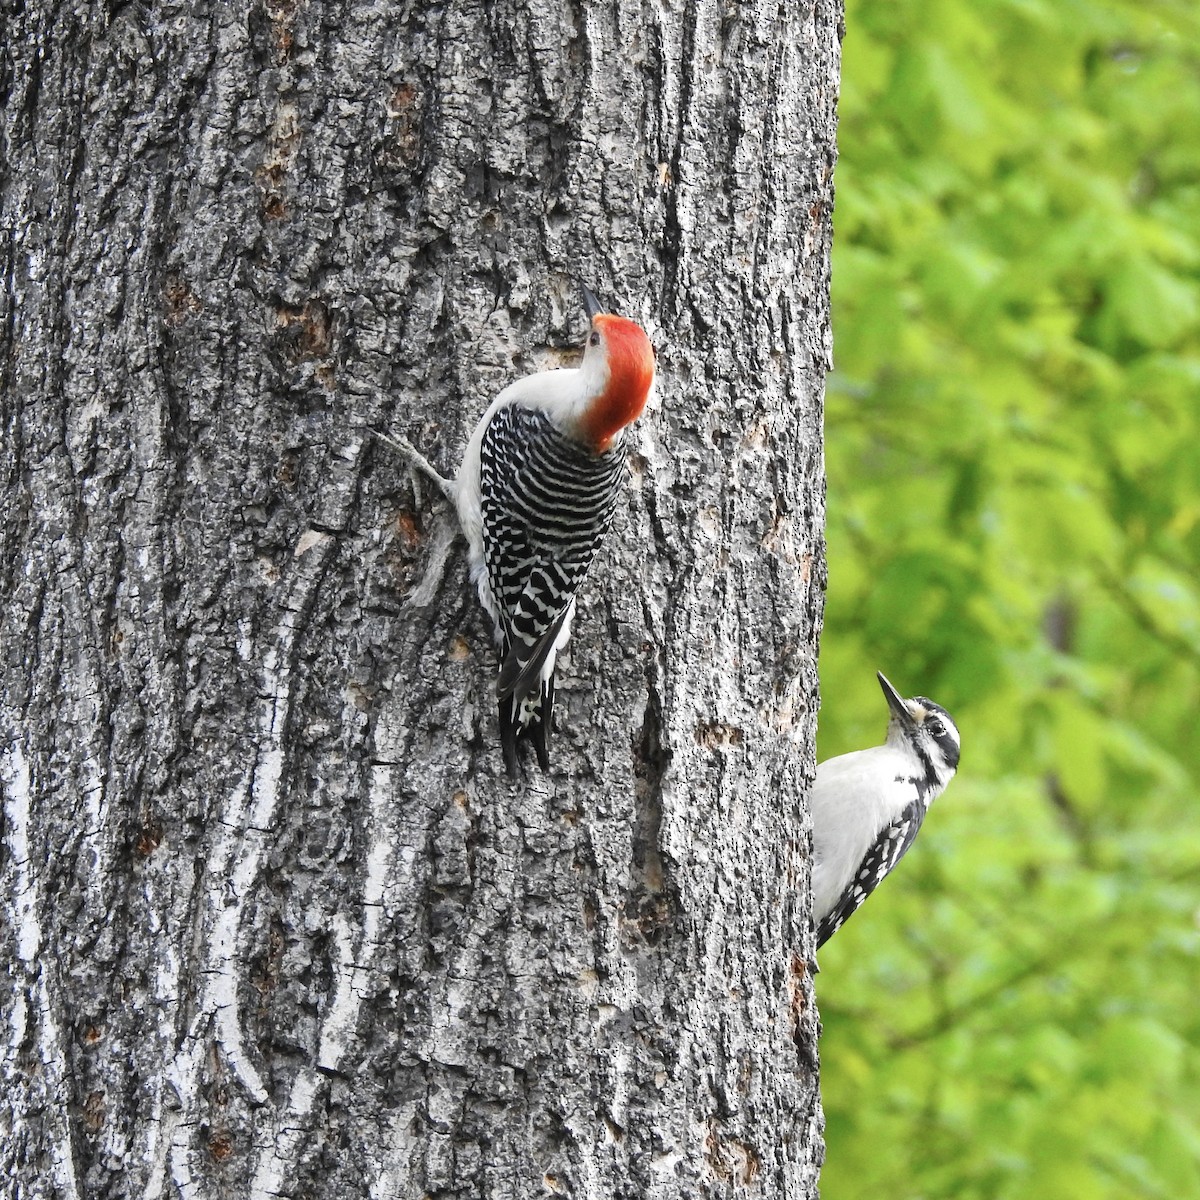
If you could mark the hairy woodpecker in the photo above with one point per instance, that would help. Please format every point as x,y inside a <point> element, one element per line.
<point>536,493</point>
<point>868,806</point>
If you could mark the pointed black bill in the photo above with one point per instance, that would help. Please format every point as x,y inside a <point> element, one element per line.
<point>591,305</point>
<point>895,701</point>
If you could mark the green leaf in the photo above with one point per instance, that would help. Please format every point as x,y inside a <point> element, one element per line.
<point>1013,458</point>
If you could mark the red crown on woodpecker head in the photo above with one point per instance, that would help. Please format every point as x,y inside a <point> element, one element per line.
<point>630,359</point>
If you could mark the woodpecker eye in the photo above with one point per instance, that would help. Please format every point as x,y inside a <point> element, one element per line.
<point>594,340</point>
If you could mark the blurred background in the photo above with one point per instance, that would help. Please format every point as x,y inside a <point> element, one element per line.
<point>1014,531</point>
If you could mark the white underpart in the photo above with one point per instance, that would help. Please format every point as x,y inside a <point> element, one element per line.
<point>564,636</point>
<point>854,796</point>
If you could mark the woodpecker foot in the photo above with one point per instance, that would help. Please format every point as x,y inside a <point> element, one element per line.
<point>418,460</point>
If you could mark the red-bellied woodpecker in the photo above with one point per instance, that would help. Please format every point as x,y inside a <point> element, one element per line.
<point>536,493</point>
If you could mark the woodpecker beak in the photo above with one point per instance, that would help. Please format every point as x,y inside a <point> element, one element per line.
<point>895,702</point>
<point>591,305</point>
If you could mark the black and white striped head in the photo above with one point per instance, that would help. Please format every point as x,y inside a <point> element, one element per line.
<point>927,732</point>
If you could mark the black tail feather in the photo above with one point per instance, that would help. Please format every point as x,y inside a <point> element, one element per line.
<point>522,676</point>
<point>536,730</point>
<point>509,732</point>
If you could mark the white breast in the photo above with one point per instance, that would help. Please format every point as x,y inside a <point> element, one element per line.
<point>854,797</point>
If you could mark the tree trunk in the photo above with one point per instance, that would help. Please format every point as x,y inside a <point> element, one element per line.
<point>275,920</point>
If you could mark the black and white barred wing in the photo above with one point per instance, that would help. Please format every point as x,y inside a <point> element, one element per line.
<point>889,848</point>
<point>547,504</point>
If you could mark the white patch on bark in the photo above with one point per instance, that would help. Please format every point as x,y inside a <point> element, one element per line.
<point>246,836</point>
<point>338,1025</point>
<point>180,1133</point>
<point>220,991</point>
<point>54,1063</point>
<point>349,992</point>
<point>308,539</point>
<point>278,1165</point>
<point>351,965</point>
<point>23,907</point>
<point>17,802</point>
<point>401,1148</point>
<point>245,824</point>
<point>20,1017</point>
<point>160,1133</point>
<point>181,1148</point>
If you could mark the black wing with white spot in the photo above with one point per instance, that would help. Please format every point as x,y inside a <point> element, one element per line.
<point>889,848</point>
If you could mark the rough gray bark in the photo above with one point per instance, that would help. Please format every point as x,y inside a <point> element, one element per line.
<point>274,920</point>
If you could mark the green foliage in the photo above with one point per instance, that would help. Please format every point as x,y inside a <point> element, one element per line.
<point>1013,447</point>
